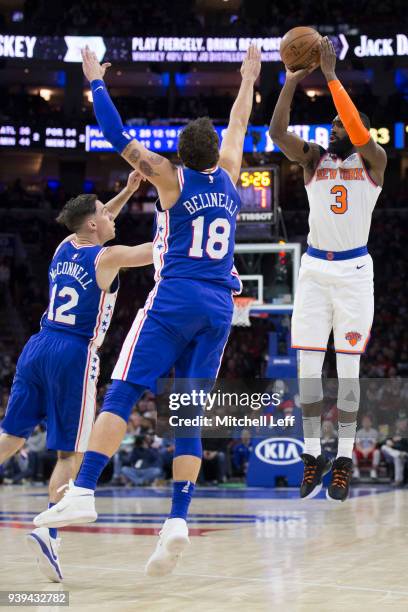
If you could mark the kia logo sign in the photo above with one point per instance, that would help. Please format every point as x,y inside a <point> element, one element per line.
<point>280,451</point>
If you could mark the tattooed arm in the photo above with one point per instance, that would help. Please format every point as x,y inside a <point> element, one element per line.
<point>156,169</point>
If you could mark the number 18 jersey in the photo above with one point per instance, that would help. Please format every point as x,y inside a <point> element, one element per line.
<point>76,304</point>
<point>195,238</point>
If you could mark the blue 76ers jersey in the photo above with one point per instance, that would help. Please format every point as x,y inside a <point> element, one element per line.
<point>76,304</point>
<point>195,238</point>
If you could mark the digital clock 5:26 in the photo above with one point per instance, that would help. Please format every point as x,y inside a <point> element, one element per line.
<point>258,179</point>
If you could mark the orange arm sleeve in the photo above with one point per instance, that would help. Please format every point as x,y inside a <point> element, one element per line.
<point>349,115</point>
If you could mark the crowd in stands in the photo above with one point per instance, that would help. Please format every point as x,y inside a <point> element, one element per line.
<point>26,108</point>
<point>23,108</point>
<point>182,107</point>
<point>185,17</point>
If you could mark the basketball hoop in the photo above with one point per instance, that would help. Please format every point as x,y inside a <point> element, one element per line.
<point>242,309</point>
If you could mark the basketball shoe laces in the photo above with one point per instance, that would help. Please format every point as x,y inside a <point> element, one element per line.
<point>310,472</point>
<point>340,477</point>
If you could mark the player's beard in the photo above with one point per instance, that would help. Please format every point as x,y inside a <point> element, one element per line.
<point>340,146</point>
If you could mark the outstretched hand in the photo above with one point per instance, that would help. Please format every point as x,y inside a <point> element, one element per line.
<point>327,58</point>
<point>134,180</point>
<point>91,66</point>
<point>251,66</point>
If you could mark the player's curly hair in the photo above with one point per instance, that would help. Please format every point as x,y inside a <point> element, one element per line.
<point>198,145</point>
<point>76,210</point>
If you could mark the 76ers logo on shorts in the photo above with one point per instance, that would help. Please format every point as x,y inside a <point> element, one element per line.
<point>353,338</point>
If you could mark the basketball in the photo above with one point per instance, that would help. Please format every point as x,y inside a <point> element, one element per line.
<point>300,47</point>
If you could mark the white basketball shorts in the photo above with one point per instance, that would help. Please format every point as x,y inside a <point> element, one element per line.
<point>336,295</point>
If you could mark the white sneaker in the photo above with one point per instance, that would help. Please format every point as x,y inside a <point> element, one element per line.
<point>172,542</point>
<point>45,549</point>
<point>77,506</point>
<point>373,474</point>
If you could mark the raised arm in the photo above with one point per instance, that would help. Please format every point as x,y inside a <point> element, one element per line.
<point>292,146</point>
<point>156,168</point>
<point>233,140</point>
<point>358,133</point>
<point>117,257</point>
<point>116,204</point>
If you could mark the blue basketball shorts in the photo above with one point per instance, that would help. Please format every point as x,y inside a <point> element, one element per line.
<point>184,323</point>
<point>55,380</point>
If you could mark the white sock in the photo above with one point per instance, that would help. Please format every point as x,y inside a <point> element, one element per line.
<point>312,432</point>
<point>347,435</point>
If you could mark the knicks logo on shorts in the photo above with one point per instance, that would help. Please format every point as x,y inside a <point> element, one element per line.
<point>353,338</point>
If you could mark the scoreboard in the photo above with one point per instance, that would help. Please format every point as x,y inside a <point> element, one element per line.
<point>30,137</point>
<point>163,139</point>
<point>255,189</point>
<point>258,190</point>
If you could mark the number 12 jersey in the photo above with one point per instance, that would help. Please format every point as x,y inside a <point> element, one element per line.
<point>76,304</point>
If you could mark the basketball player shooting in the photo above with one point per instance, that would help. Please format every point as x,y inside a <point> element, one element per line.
<point>335,287</point>
<point>187,317</point>
<point>57,372</point>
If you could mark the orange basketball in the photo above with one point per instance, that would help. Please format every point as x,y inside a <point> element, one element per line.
<point>300,47</point>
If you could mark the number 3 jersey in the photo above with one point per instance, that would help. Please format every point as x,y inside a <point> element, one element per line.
<point>76,304</point>
<point>195,238</point>
<point>342,197</point>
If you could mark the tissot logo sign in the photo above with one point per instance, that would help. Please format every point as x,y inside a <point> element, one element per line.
<point>280,451</point>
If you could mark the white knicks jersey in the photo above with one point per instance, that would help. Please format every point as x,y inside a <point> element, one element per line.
<point>341,197</point>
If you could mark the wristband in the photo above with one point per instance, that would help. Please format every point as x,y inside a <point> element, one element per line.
<point>108,117</point>
<point>349,115</point>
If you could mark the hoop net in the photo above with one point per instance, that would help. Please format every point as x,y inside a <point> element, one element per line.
<point>242,309</point>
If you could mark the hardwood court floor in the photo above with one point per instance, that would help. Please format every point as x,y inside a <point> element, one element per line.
<point>250,550</point>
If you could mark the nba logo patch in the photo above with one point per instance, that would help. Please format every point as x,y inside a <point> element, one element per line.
<point>75,255</point>
<point>353,338</point>
<point>211,178</point>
